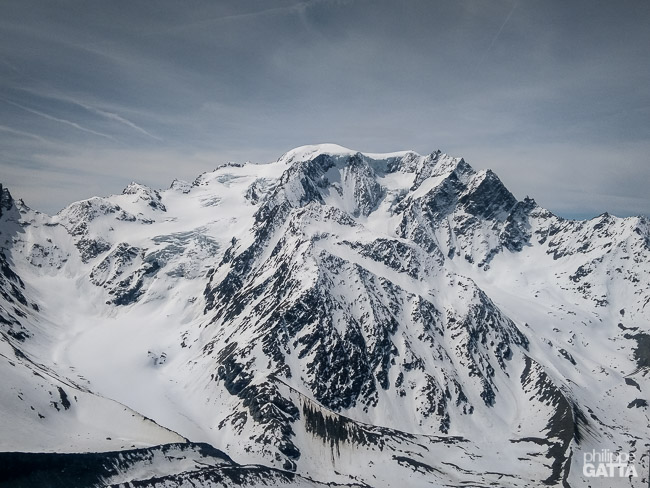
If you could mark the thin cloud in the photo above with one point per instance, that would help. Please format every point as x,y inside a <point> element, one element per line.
<point>104,113</point>
<point>121,120</point>
<point>97,111</point>
<point>57,119</point>
<point>16,132</point>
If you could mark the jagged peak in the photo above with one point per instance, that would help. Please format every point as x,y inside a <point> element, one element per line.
<point>527,207</point>
<point>602,217</point>
<point>642,220</point>
<point>145,193</point>
<point>88,203</point>
<point>529,201</point>
<point>530,206</point>
<point>486,195</point>
<point>330,173</point>
<point>230,164</point>
<point>6,200</point>
<point>483,178</point>
<point>446,164</point>
<point>180,185</point>
<point>88,209</point>
<point>134,188</point>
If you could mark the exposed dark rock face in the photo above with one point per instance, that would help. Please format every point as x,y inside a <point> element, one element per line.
<point>145,194</point>
<point>347,342</point>
<point>213,468</point>
<point>6,202</point>
<point>516,232</point>
<point>92,248</point>
<point>14,305</point>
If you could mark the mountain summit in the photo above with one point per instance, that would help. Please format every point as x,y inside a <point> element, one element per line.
<point>332,317</point>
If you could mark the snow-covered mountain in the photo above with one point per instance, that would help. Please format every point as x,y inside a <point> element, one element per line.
<point>332,317</point>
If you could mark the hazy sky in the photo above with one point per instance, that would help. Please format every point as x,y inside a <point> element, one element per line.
<point>552,95</point>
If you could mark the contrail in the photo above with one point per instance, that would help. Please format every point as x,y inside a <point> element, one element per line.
<point>11,130</point>
<point>56,119</point>
<point>496,37</point>
<point>115,117</point>
<point>95,110</point>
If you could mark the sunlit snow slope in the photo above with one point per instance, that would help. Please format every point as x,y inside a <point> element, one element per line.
<point>364,319</point>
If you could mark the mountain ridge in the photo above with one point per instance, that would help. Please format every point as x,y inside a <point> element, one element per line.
<point>334,306</point>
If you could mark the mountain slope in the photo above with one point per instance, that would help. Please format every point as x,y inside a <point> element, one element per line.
<point>348,317</point>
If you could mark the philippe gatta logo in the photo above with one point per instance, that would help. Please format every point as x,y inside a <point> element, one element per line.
<point>608,464</point>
